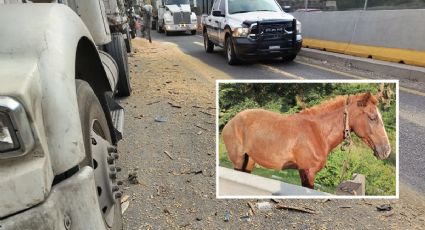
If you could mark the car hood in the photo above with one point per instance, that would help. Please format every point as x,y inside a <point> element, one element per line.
<point>259,16</point>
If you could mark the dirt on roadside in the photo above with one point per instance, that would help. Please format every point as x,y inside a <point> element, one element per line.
<point>170,145</point>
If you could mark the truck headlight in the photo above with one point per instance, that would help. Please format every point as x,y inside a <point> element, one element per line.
<point>16,137</point>
<point>240,32</point>
<point>168,19</point>
<point>298,27</point>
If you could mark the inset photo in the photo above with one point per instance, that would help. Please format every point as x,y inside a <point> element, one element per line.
<point>307,139</point>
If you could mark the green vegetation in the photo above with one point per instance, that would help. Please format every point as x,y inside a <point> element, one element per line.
<point>291,98</point>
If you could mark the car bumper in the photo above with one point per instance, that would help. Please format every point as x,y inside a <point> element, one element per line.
<point>181,27</point>
<point>247,48</point>
<point>73,200</point>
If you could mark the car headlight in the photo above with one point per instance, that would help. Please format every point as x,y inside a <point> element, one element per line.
<point>298,27</point>
<point>16,137</point>
<point>241,32</point>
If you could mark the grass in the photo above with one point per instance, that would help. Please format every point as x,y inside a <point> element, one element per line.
<point>380,175</point>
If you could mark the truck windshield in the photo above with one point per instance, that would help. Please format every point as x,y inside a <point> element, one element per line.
<point>244,6</point>
<point>177,2</point>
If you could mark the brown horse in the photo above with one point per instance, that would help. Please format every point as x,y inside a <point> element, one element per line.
<point>303,141</point>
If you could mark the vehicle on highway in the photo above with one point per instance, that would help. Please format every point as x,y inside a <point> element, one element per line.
<point>61,66</point>
<point>251,29</point>
<point>174,16</point>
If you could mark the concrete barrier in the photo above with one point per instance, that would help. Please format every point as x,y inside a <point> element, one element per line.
<point>232,183</point>
<point>389,35</point>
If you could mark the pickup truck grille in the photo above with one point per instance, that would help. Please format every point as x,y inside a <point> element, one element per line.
<point>273,30</point>
<point>181,17</point>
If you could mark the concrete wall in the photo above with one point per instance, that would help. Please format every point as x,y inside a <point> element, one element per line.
<point>394,35</point>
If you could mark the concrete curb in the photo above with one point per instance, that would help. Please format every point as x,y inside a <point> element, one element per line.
<point>234,183</point>
<point>399,71</point>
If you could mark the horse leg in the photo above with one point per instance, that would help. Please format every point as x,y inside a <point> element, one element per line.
<point>307,178</point>
<point>246,166</point>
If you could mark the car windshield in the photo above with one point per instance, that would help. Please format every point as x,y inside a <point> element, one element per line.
<point>177,2</point>
<point>244,6</point>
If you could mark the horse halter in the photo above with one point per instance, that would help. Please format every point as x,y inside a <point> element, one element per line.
<point>347,132</point>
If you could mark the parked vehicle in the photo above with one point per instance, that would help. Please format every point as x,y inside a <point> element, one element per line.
<point>245,31</point>
<point>174,16</point>
<point>61,67</point>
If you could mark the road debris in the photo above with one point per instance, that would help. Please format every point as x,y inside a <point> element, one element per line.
<point>345,206</point>
<point>295,208</point>
<point>124,206</point>
<point>199,133</point>
<point>154,102</point>
<point>124,198</point>
<point>160,119</point>
<point>384,207</point>
<point>201,127</point>
<point>246,218</point>
<point>132,177</point>
<point>226,216</point>
<point>174,105</point>
<point>264,206</point>
<point>169,155</point>
<point>210,114</point>
<point>252,207</point>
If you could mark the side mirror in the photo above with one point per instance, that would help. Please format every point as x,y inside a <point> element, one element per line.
<point>287,9</point>
<point>217,13</point>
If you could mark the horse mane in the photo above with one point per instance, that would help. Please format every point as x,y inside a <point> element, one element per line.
<point>338,102</point>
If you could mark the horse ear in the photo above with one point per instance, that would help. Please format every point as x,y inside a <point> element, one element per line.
<point>364,99</point>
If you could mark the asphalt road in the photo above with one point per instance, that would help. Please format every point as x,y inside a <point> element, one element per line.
<point>412,102</point>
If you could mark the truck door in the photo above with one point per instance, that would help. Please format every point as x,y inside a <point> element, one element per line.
<point>212,22</point>
<point>221,22</point>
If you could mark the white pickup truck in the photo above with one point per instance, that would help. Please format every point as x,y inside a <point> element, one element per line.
<point>251,29</point>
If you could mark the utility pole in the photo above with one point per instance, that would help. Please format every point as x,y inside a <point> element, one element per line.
<point>365,5</point>
<point>306,4</point>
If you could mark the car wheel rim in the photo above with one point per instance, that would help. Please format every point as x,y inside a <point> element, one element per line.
<point>103,158</point>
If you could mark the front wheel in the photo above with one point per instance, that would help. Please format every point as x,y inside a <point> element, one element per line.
<point>193,32</point>
<point>117,49</point>
<point>289,58</point>
<point>100,155</point>
<point>128,44</point>
<point>230,52</point>
<point>159,29</point>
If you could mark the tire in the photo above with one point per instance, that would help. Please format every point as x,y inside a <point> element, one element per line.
<point>193,32</point>
<point>117,49</point>
<point>289,58</point>
<point>167,33</point>
<point>159,29</point>
<point>154,26</point>
<point>230,52</point>
<point>208,45</point>
<point>95,127</point>
<point>128,44</point>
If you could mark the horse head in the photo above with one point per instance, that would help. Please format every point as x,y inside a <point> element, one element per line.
<point>366,122</point>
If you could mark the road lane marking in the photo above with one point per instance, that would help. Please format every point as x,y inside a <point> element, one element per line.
<point>198,43</point>
<point>418,93</point>
<point>411,91</point>
<point>331,70</point>
<point>279,71</point>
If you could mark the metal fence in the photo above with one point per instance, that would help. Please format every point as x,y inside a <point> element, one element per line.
<point>204,6</point>
<point>342,5</point>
